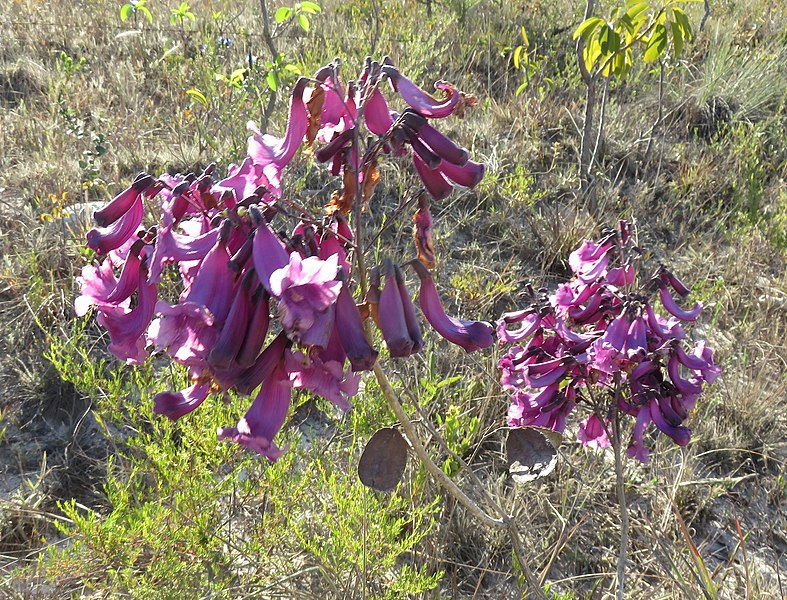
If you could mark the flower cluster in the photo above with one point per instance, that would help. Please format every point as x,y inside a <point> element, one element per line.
<point>598,341</point>
<point>259,307</point>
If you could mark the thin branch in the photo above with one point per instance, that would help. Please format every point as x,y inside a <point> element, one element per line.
<point>436,472</point>
<point>706,15</point>
<point>624,513</point>
<point>503,522</point>
<point>268,39</point>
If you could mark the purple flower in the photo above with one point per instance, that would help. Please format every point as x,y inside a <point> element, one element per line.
<point>323,375</point>
<point>700,360</point>
<point>243,180</point>
<point>423,103</point>
<point>676,311</point>
<point>590,260</point>
<point>257,428</point>
<point>123,202</point>
<point>529,319</point>
<point>470,335</point>
<point>233,332</point>
<point>305,288</point>
<point>174,247</point>
<point>174,405</point>
<point>637,448</point>
<point>352,336</point>
<point>118,232</point>
<point>264,365</point>
<point>273,154</point>
<point>213,285</point>
<point>393,321</point>
<point>257,329</point>
<point>95,285</point>
<point>185,331</point>
<point>377,115</point>
<point>592,433</point>
<point>127,327</point>
<point>268,253</point>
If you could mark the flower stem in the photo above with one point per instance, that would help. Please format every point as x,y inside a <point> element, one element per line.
<point>502,522</point>
<point>624,515</point>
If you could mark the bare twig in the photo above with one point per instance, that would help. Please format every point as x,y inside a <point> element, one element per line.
<point>268,39</point>
<point>502,522</point>
<point>590,106</point>
<point>706,15</point>
<point>624,514</point>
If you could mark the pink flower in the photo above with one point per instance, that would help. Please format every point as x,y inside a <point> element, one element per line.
<point>257,428</point>
<point>423,103</point>
<point>305,288</point>
<point>174,405</point>
<point>592,433</point>
<point>590,260</point>
<point>273,154</point>
<point>127,327</point>
<point>470,335</point>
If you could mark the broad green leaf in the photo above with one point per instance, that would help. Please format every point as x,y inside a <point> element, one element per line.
<point>310,7</point>
<point>272,80</point>
<point>636,10</point>
<point>609,40</point>
<point>521,88</point>
<point>683,20</point>
<point>525,41</point>
<point>146,12</point>
<point>677,37</point>
<point>282,14</point>
<point>591,53</point>
<point>303,21</point>
<point>656,44</point>
<point>126,11</point>
<point>587,27</point>
<point>195,94</point>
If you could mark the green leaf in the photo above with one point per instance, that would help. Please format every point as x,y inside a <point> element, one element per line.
<point>525,41</point>
<point>310,7</point>
<point>126,11</point>
<point>517,54</point>
<point>591,53</point>
<point>146,12</point>
<point>636,10</point>
<point>656,44</point>
<point>683,20</point>
<point>587,27</point>
<point>272,80</point>
<point>303,21</point>
<point>198,96</point>
<point>609,40</point>
<point>282,14</point>
<point>677,37</point>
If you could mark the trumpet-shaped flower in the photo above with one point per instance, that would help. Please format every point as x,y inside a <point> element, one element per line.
<point>305,288</point>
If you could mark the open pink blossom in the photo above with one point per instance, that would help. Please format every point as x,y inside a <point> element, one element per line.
<point>304,288</point>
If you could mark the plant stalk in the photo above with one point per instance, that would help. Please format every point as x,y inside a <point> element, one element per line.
<point>624,515</point>
<point>502,522</point>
